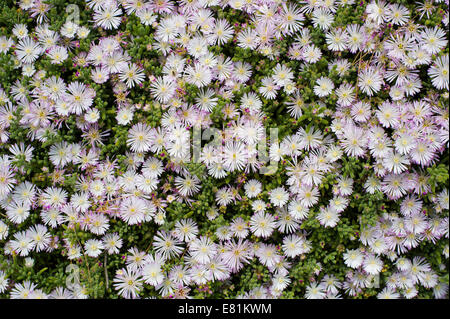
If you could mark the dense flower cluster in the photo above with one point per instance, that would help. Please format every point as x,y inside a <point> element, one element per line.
<point>325,177</point>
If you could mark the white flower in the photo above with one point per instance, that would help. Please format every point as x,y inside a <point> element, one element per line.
<point>282,75</point>
<point>187,185</point>
<point>27,50</point>
<point>108,16</point>
<point>92,116</point>
<point>372,265</point>
<point>163,89</point>
<point>93,247</point>
<point>433,40</point>
<point>370,81</point>
<point>279,196</point>
<point>262,224</point>
<point>353,258</point>
<point>439,72</point>
<point>202,250</point>
<point>124,116</point>
<point>3,281</point>
<point>311,54</point>
<point>128,283</point>
<point>315,291</point>
<point>252,188</point>
<point>293,245</point>
<point>139,138</point>
<point>324,86</point>
<point>328,217</point>
<point>132,75</point>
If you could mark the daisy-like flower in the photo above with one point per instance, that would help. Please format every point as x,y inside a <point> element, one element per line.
<point>285,222</point>
<point>387,293</point>
<point>93,247</point>
<point>187,185</point>
<point>135,210</point>
<point>5,44</point>
<point>262,224</point>
<point>132,75</point>
<point>398,14</point>
<point>202,250</point>
<point>22,290</point>
<point>354,141</point>
<point>291,18</point>
<point>128,283</point>
<point>242,71</point>
<point>353,258</point>
<point>279,197</point>
<point>152,273</point>
<point>60,154</point>
<point>139,138</point>
<point>328,217</point>
<point>80,97</point>
<point>250,101</point>
<point>324,86</point>
<point>282,75</point>
<point>337,40</point>
<point>443,199</point>
<point>112,243</point>
<point>370,81</point>
<point>439,72</point>
<point>163,89</point>
<point>395,163</point>
<point>293,245</point>
<point>252,188</point>
<point>239,228</point>
<point>186,230</point>
<point>40,238</point>
<point>20,151</point>
<point>3,230</point>
<point>99,75</point>
<point>58,54</point>
<point>206,101</point>
<point>322,18</point>
<point>422,153</point>
<point>361,111</point>
<point>198,75</point>
<point>297,210</point>
<point>221,33</point>
<point>234,156</point>
<point>310,139</point>
<point>224,196</point>
<point>136,259</point>
<point>346,94</point>
<point>268,255</point>
<point>356,37</point>
<point>268,88</point>
<point>20,30</point>
<point>372,265</point>
<point>378,11</point>
<point>166,245</point>
<point>108,16</point>
<point>311,54</point>
<point>54,196</point>
<point>27,50</point>
<point>248,39</point>
<point>124,116</point>
<point>315,291</point>
<point>4,281</point>
<point>433,39</point>
<point>236,254</point>
<point>22,243</point>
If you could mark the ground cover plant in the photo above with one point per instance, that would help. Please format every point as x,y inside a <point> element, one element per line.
<point>224,149</point>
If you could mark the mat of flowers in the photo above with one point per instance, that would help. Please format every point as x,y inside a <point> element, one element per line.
<point>224,149</point>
